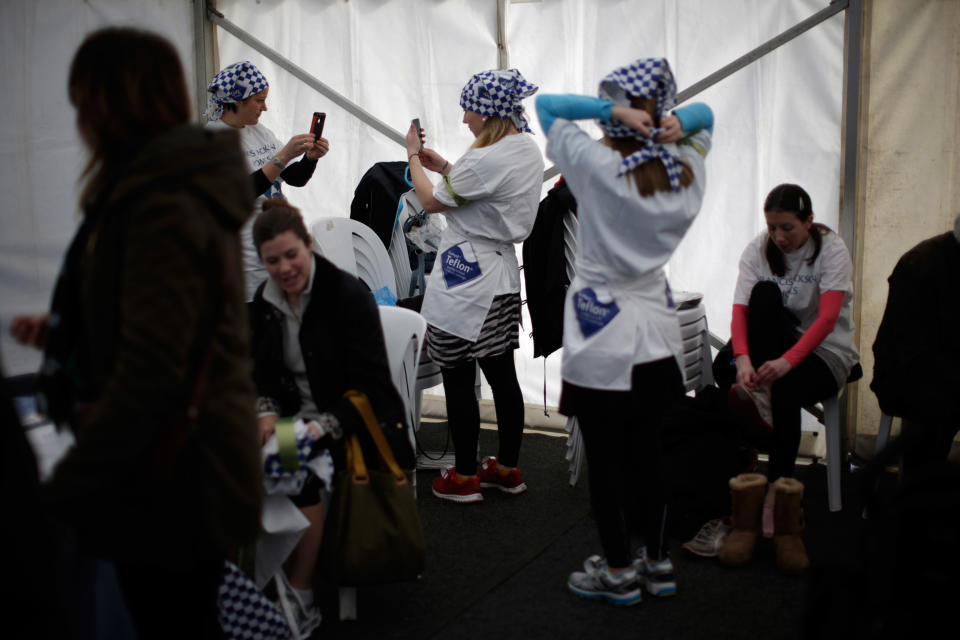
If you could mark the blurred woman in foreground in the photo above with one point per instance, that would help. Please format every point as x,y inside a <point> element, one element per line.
<point>146,350</point>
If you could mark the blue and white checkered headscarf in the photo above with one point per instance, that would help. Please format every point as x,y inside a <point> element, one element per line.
<point>498,93</point>
<point>644,78</point>
<point>237,82</point>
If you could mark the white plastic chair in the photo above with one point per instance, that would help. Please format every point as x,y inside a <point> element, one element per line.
<point>835,455</point>
<point>400,261</point>
<point>697,357</point>
<point>883,431</point>
<point>831,427</point>
<point>355,248</point>
<point>403,332</point>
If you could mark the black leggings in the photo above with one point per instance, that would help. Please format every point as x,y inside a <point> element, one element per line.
<point>770,333</point>
<point>463,411</point>
<point>623,436</point>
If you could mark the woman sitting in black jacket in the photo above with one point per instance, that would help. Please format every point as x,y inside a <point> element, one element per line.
<point>315,335</point>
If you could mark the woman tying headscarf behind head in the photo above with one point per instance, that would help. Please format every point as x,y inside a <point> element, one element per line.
<point>235,99</point>
<point>637,194</point>
<point>472,301</point>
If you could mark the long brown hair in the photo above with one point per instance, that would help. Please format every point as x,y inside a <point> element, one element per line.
<point>651,176</point>
<point>128,87</point>
<point>791,198</point>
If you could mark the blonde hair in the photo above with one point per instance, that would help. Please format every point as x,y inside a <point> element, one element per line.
<point>651,176</point>
<point>494,130</point>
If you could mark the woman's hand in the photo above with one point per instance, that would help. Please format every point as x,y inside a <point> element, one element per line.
<point>318,149</point>
<point>746,375</point>
<point>266,426</point>
<point>432,160</point>
<point>413,140</point>
<point>297,145</point>
<point>672,130</point>
<point>31,330</point>
<point>636,119</point>
<point>772,370</point>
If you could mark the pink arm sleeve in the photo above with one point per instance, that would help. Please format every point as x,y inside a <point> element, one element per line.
<point>827,314</point>
<point>738,330</point>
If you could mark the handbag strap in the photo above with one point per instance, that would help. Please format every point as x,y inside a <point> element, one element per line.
<point>362,404</point>
<point>355,462</point>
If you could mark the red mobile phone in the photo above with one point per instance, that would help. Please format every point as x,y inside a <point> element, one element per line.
<point>316,127</point>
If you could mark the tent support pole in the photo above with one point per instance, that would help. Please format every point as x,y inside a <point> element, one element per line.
<point>503,54</point>
<point>778,41</point>
<point>205,53</point>
<point>298,72</point>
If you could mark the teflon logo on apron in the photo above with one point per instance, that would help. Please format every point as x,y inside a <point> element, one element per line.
<point>459,264</point>
<point>593,315</point>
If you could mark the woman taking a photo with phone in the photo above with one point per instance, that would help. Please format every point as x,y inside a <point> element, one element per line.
<point>472,301</point>
<point>235,99</point>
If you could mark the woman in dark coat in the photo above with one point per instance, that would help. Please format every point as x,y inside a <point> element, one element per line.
<point>316,334</point>
<point>146,344</point>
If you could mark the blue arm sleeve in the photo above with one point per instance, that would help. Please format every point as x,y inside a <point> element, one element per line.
<point>694,117</point>
<point>570,107</point>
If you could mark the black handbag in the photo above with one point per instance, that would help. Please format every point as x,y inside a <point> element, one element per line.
<point>372,533</point>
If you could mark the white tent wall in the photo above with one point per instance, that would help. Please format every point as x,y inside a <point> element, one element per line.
<point>40,151</point>
<point>776,121</point>
<point>910,132</point>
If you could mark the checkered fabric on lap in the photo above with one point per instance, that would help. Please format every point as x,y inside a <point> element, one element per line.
<point>272,465</point>
<point>237,82</point>
<point>498,93</point>
<point>644,78</point>
<point>245,612</point>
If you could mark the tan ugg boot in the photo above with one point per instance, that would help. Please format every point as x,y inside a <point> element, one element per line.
<point>788,523</point>
<point>746,503</point>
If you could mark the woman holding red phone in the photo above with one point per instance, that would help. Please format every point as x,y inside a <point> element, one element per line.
<point>235,99</point>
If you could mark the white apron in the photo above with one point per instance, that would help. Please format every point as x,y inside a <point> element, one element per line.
<point>467,274</point>
<point>610,327</point>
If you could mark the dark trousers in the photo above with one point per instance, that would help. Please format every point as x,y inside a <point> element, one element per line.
<point>926,446</point>
<point>463,411</point>
<point>770,333</point>
<point>623,438</point>
<point>171,602</point>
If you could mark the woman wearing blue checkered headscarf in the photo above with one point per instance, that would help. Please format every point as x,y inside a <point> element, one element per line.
<point>236,97</point>
<point>472,300</point>
<point>638,190</point>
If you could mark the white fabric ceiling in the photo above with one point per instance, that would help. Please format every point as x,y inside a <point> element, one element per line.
<point>778,120</point>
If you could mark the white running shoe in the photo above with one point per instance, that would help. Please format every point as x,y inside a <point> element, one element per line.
<point>709,539</point>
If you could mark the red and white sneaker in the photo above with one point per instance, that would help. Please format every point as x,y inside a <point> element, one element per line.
<point>490,477</point>
<point>447,487</point>
<point>755,406</point>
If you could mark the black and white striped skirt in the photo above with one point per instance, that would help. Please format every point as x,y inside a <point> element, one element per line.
<point>500,333</point>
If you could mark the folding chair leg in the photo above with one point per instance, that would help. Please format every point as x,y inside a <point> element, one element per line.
<point>348,603</point>
<point>831,419</point>
<point>883,432</point>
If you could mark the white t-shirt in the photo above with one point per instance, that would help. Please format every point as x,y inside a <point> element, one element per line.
<point>619,311</point>
<point>259,145</point>
<point>801,286</point>
<point>495,195</point>
<point>502,183</point>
